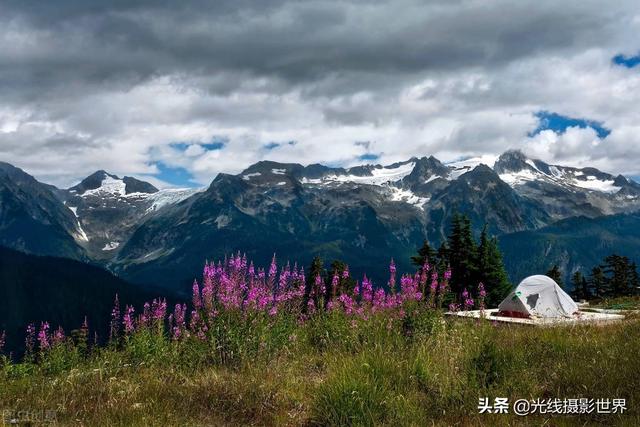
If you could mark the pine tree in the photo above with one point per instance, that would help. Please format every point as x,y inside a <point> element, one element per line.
<point>491,271</point>
<point>425,253</point>
<point>619,271</point>
<point>635,280</point>
<point>598,282</point>
<point>579,284</point>
<point>556,275</point>
<point>442,258</point>
<point>462,254</point>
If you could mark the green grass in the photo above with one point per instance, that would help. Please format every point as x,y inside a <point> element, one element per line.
<point>417,369</point>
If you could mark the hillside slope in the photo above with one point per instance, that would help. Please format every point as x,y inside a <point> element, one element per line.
<point>61,291</point>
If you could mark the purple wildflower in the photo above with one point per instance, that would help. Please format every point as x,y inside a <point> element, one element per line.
<point>58,336</point>
<point>43,336</point>
<point>482,294</point>
<point>197,301</point>
<point>392,276</point>
<point>467,300</point>
<point>179,328</point>
<point>127,320</point>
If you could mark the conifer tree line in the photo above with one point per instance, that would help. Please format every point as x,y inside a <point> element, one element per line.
<point>616,276</point>
<point>471,262</point>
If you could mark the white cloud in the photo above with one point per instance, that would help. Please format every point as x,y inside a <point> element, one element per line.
<point>466,84</point>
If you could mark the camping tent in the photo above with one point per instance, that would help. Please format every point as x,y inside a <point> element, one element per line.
<point>538,296</point>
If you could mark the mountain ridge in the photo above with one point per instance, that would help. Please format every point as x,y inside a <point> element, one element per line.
<point>366,212</point>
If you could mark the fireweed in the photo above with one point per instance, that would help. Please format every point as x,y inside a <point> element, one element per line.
<point>235,289</point>
<point>43,336</point>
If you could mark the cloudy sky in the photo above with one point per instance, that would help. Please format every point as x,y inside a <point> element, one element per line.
<point>176,92</point>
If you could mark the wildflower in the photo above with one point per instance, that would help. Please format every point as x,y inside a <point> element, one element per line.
<point>482,293</point>
<point>273,268</point>
<point>58,336</point>
<point>145,318</point>
<point>367,289</point>
<point>115,319</point>
<point>447,274</point>
<point>379,299</point>
<point>197,326</point>
<point>179,328</point>
<point>43,336</point>
<point>392,276</point>
<point>453,307</point>
<point>334,285</point>
<point>127,320</point>
<point>348,304</point>
<point>30,339</point>
<point>467,300</point>
<point>158,311</point>
<point>84,332</point>
<point>197,301</point>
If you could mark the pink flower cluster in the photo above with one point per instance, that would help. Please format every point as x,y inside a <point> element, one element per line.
<point>236,285</point>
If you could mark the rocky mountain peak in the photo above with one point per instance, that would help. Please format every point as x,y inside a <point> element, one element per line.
<point>109,183</point>
<point>513,161</point>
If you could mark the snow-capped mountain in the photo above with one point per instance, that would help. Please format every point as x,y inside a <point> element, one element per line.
<point>566,191</point>
<point>363,214</point>
<point>108,207</point>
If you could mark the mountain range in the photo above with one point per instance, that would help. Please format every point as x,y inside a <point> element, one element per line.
<point>363,215</point>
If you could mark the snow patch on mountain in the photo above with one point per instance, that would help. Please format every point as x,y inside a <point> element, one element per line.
<point>170,196</point>
<point>80,234</point>
<point>519,178</point>
<point>594,184</point>
<point>109,185</point>
<point>111,246</point>
<point>378,176</point>
<point>248,176</point>
<point>407,196</point>
<point>463,166</point>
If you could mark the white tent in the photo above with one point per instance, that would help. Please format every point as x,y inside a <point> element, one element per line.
<point>538,296</point>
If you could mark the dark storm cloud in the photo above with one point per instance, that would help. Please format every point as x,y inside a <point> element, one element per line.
<point>88,85</point>
<point>375,43</point>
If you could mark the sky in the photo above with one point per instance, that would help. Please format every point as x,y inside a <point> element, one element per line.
<point>177,92</point>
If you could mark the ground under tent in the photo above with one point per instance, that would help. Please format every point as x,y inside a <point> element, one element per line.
<point>538,300</point>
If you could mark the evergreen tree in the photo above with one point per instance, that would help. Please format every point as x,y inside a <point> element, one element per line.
<point>598,282</point>
<point>556,275</point>
<point>425,253</point>
<point>618,268</point>
<point>491,271</point>
<point>462,254</point>
<point>635,280</point>
<point>580,289</point>
<point>442,258</point>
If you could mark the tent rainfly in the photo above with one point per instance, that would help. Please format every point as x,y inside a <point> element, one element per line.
<point>538,296</point>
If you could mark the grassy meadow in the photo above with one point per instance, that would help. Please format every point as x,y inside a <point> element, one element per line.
<point>404,367</point>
